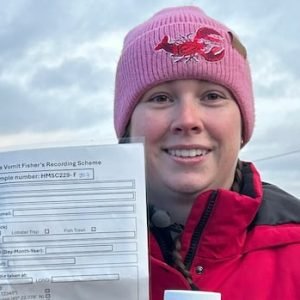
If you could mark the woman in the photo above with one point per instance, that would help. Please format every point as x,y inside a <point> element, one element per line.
<point>184,83</point>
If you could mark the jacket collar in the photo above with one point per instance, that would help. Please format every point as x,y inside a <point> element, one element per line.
<point>226,228</point>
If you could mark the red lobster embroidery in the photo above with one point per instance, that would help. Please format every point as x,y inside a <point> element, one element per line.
<point>207,42</point>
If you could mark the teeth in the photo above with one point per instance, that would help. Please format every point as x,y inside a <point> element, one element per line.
<point>187,152</point>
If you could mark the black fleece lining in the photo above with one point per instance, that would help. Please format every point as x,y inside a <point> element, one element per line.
<point>278,207</point>
<point>247,185</point>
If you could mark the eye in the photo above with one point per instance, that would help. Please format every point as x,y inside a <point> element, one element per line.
<point>213,96</point>
<point>161,99</point>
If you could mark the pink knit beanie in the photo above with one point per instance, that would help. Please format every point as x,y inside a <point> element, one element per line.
<point>181,43</point>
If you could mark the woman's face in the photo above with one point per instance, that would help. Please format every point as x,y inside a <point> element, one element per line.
<point>192,133</point>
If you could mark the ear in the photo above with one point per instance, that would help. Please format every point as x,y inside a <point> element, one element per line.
<point>236,44</point>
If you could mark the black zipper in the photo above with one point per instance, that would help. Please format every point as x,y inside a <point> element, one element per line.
<point>199,230</point>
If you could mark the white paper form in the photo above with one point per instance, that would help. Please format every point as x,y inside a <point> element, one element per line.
<point>73,223</point>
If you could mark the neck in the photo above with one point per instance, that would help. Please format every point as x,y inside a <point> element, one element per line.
<point>177,205</point>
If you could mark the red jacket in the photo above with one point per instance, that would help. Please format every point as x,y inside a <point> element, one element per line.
<point>245,246</point>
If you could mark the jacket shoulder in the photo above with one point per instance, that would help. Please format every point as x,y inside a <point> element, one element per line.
<point>278,207</point>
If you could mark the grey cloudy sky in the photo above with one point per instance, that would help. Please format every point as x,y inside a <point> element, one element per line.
<point>58,57</point>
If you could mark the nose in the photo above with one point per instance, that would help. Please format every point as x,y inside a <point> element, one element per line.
<point>187,119</point>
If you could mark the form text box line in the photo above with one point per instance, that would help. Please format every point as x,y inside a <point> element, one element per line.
<point>79,249</point>
<point>58,198</point>
<point>82,278</point>
<point>67,237</point>
<point>41,262</point>
<point>14,281</point>
<point>75,211</point>
<point>102,184</point>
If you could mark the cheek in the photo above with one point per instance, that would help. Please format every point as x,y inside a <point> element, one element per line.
<point>136,123</point>
<point>139,126</point>
<point>235,124</point>
<point>233,130</point>
<point>226,126</point>
<point>150,125</point>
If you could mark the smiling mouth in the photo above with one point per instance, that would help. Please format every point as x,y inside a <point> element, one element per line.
<point>187,153</point>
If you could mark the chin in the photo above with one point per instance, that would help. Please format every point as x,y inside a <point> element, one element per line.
<point>188,188</point>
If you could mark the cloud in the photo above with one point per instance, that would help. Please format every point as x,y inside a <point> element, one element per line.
<point>80,72</point>
<point>58,59</point>
<point>48,109</point>
<point>92,135</point>
<point>53,75</point>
